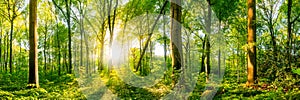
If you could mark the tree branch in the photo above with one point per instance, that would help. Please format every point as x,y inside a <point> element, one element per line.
<point>292,22</point>
<point>59,8</point>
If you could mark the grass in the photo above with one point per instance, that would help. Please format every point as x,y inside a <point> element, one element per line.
<point>66,86</point>
<point>13,86</point>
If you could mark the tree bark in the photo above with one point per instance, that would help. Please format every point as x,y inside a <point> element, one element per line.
<point>58,48</point>
<point>81,40</point>
<point>208,29</point>
<point>289,34</point>
<point>176,42</point>
<point>68,7</point>
<point>203,55</point>
<point>7,48</point>
<point>45,45</point>
<point>252,68</point>
<point>1,46</point>
<point>10,43</point>
<point>33,53</point>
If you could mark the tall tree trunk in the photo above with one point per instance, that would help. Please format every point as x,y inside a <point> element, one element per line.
<point>58,48</point>
<point>68,8</point>
<point>87,54</point>
<point>1,46</point>
<point>33,53</point>
<point>273,36</point>
<point>49,52</point>
<point>7,48</point>
<point>111,28</point>
<point>176,42</point>
<point>45,46</point>
<point>81,32</point>
<point>102,46</point>
<point>10,47</point>
<point>289,34</point>
<point>238,63</point>
<point>219,50</point>
<point>101,55</point>
<point>165,40</point>
<point>59,58</point>
<point>66,68</point>
<point>203,55</point>
<point>252,68</point>
<point>208,29</point>
<point>81,42</point>
<point>19,59</point>
<point>75,54</point>
<point>152,29</point>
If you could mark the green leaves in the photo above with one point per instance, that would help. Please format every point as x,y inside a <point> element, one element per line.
<point>296,71</point>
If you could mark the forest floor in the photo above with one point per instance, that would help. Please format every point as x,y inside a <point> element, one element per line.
<point>52,86</point>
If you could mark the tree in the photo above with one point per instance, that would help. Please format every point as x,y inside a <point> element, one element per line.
<point>67,15</point>
<point>176,42</point>
<point>270,17</point>
<point>251,71</point>
<point>33,60</point>
<point>289,30</point>
<point>111,24</point>
<point>1,21</point>
<point>207,37</point>
<point>291,21</point>
<point>13,8</point>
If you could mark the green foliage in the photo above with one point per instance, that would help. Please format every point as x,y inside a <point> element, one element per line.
<point>276,79</point>
<point>296,71</point>
<point>52,87</point>
<point>232,90</point>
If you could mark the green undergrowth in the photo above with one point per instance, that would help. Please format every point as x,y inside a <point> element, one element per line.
<point>264,90</point>
<point>65,86</point>
<point>13,86</point>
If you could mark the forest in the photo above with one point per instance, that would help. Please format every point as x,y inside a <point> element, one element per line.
<point>150,49</point>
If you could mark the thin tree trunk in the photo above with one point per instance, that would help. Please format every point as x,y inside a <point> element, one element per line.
<point>113,23</point>
<point>58,49</point>
<point>87,54</point>
<point>208,29</point>
<point>59,59</point>
<point>7,48</point>
<point>49,52</point>
<point>68,7</point>
<point>66,68</point>
<point>102,46</point>
<point>101,55</point>
<point>81,33</point>
<point>149,36</point>
<point>238,67</point>
<point>203,55</point>
<point>19,59</point>
<point>10,47</point>
<point>1,47</point>
<point>75,55</point>
<point>219,51</point>
<point>165,40</point>
<point>44,51</point>
<point>81,42</point>
<point>289,34</point>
